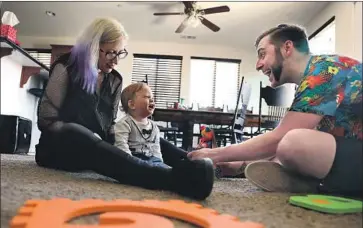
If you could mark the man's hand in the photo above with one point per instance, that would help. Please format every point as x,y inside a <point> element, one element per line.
<point>204,153</point>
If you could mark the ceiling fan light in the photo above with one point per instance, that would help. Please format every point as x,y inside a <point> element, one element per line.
<point>193,21</point>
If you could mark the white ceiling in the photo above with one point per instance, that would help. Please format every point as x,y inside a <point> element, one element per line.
<point>239,27</point>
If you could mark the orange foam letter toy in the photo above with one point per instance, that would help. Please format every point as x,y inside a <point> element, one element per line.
<point>57,213</point>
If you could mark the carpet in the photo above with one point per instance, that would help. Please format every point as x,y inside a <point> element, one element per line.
<point>22,179</point>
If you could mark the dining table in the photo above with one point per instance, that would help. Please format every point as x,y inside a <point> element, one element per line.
<point>187,118</point>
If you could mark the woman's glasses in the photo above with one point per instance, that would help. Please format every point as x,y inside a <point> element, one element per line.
<point>112,55</point>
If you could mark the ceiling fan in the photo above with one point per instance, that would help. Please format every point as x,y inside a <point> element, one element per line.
<point>195,15</point>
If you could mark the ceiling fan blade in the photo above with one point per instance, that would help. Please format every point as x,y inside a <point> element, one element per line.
<point>182,26</point>
<point>209,24</point>
<point>167,14</point>
<point>188,4</point>
<point>218,9</point>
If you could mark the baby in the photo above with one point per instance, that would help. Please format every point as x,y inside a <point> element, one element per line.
<point>135,133</point>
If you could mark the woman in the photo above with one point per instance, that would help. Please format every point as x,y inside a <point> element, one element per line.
<point>77,112</point>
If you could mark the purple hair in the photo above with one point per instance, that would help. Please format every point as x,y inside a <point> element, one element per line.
<point>85,69</point>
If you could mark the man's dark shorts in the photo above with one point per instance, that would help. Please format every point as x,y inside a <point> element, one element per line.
<point>346,174</point>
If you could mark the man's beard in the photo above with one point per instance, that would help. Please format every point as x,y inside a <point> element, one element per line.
<point>277,67</point>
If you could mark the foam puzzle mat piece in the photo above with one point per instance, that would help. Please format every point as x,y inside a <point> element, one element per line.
<point>327,204</point>
<point>122,213</point>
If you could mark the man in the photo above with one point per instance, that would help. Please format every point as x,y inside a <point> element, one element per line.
<point>317,146</point>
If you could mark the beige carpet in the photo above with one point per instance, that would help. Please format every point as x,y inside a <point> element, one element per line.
<point>22,179</point>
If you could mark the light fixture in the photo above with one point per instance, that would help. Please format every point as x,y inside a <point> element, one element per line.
<point>50,13</point>
<point>193,21</point>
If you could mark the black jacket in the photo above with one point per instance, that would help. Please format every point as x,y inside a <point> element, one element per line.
<point>93,111</point>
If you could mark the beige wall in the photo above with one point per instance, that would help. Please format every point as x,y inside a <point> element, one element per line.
<point>125,66</point>
<point>348,20</point>
<point>358,30</point>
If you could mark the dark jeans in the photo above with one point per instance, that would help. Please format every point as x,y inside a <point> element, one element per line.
<point>75,148</point>
<point>152,160</point>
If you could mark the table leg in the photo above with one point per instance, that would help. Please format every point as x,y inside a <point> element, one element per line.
<point>187,129</point>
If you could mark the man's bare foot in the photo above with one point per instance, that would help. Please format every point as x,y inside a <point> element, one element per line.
<point>232,168</point>
<point>236,168</point>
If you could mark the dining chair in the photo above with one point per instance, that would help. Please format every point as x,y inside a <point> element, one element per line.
<point>234,132</point>
<point>277,105</point>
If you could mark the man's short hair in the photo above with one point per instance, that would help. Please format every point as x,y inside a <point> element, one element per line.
<point>283,32</point>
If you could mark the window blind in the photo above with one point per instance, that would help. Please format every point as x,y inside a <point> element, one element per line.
<point>43,56</point>
<point>163,74</point>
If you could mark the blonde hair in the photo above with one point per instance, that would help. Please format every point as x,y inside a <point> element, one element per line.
<point>85,53</point>
<point>129,93</point>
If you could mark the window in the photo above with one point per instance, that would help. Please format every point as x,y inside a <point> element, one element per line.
<point>42,55</point>
<point>322,41</point>
<point>214,82</point>
<point>163,74</point>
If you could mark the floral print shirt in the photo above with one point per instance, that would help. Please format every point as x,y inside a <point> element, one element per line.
<point>332,87</point>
